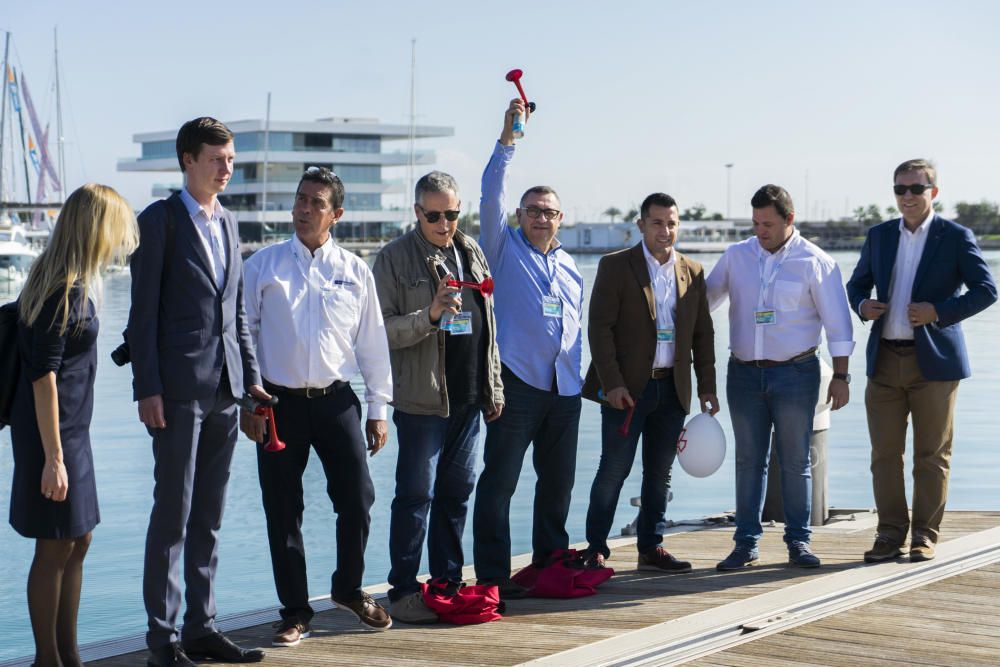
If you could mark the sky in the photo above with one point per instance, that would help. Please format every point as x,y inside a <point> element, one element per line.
<point>633,97</point>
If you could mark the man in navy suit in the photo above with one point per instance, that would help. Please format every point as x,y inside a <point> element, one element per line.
<point>916,353</point>
<point>192,357</point>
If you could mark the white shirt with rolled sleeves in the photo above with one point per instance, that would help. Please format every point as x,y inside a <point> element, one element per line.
<point>807,295</point>
<point>315,319</point>
<point>664,282</point>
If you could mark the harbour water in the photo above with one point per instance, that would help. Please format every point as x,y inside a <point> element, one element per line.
<point>112,601</point>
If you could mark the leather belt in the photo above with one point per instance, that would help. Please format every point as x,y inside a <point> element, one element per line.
<point>661,373</point>
<point>899,343</point>
<point>768,363</point>
<point>306,392</point>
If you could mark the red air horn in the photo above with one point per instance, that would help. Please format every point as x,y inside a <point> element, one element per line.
<point>266,409</point>
<point>514,76</point>
<point>485,288</point>
<point>623,429</point>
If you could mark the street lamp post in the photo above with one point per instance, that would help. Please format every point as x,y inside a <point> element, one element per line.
<point>729,190</point>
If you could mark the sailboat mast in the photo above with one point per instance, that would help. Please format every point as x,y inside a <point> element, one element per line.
<point>413,128</point>
<point>24,148</point>
<point>263,183</point>
<point>3,108</point>
<point>59,124</point>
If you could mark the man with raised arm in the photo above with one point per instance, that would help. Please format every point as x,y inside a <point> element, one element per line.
<point>539,301</point>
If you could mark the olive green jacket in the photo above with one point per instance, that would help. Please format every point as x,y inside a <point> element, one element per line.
<point>406,279</point>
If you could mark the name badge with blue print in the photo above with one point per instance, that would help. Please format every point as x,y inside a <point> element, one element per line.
<point>552,306</point>
<point>664,335</point>
<point>460,324</point>
<point>765,317</point>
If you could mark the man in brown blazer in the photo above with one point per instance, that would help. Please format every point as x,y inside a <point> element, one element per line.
<point>649,322</point>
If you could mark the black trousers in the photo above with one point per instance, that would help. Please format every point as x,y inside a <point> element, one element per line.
<point>331,425</point>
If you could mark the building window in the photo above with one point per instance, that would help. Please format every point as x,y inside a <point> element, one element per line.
<point>362,202</point>
<point>356,173</point>
<point>157,150</point>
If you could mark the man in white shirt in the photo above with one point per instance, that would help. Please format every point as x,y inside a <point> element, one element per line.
<point>782,291</point>
<point>916,353</point>
<point>316,321</point>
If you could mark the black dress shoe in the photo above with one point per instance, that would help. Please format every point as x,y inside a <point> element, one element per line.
<point>170,655</point>
<point>216,647</point>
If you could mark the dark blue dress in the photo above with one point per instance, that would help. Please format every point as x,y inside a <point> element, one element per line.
<point>73,358</point>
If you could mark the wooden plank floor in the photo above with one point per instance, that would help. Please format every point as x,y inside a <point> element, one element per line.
<point>633,600</point>
<point>951,622</point>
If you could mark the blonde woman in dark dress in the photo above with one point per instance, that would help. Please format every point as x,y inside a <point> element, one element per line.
<point>54,495</point>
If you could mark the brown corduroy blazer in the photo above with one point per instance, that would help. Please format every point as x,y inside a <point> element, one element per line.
<point>622,327</point>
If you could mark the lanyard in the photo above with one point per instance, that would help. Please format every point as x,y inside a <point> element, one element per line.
<point>550,275</point>
<point>765,283</point>
<point>661,305</point>
<point>458,262</point>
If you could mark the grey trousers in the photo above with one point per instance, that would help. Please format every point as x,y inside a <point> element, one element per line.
<point>192,458</point>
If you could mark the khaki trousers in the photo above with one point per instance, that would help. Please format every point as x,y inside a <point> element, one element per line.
<point>897,391</point>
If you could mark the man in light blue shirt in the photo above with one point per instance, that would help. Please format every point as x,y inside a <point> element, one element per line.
<point>538,302</point>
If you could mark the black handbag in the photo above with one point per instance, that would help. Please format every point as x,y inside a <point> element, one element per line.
<point>10,362</point>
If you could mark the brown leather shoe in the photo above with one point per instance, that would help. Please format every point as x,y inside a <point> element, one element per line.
<point>370,613</point>
<point>921,549</point>
<point>884,549</point>
<point>290,632</point>
<point>659,559</point>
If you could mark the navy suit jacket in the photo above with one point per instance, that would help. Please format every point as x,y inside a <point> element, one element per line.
<point>183,330</point>
<point>950,259</point>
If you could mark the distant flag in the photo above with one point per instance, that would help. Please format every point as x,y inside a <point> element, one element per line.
<point>33,153</point>
<point>12,84</point>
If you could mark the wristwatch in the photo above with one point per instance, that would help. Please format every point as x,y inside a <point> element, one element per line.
<point>846,377</point>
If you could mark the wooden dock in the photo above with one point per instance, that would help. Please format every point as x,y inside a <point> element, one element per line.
<point>846,613</point>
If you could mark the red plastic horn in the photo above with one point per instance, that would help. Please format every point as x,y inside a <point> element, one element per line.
<point>514,76</point>
<point>623,429</point>
<point>274,443</point>
<point>485,288</point>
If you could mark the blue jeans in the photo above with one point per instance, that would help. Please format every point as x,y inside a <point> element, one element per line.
<point>550,421</point>
<point>659,418</point>
<point>783,398</point>
<point>435,474</point>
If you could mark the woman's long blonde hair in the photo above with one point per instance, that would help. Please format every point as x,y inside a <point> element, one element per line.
<point>95,225</point>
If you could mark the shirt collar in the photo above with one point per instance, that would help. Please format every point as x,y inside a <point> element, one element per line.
<point>194,208</point>
<point>556,245</point>
<point>922,229</point>
<point>793,239</point>
<point>655,263</point>
<point>302,251</point>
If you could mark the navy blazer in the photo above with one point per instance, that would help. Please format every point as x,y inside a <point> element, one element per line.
<point>183,330</point>
<point>950,259</point>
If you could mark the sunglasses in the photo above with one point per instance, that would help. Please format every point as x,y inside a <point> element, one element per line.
<point>434,216</point>
<point>916,188</point>
<point>535,213</point>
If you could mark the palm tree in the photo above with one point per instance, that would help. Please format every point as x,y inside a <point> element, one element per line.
<point>612,213</point>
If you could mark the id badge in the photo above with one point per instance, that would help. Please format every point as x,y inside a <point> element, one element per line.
<point>460,324</point>
<point>764,317</point>
<point>664,335</point>
<point>552,306</point>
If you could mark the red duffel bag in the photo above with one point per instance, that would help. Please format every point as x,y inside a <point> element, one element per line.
<point>460,604</point>
<point>564,575</point>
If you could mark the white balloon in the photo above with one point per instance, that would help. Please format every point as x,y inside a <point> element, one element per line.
<point>701,446</point>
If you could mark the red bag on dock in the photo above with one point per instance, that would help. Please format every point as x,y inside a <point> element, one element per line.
<point>460,604</point>
<point>564,575</point>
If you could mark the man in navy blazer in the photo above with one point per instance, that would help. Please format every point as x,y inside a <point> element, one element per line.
<point>916,353</point>
<point>192,357</point>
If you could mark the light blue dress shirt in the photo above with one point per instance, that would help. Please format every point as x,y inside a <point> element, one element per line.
<point>536,348</point>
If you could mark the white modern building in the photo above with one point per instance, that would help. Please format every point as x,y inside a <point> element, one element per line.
<point>351,147</point>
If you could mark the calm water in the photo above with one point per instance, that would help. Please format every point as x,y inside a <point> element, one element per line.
<point>112,601</point>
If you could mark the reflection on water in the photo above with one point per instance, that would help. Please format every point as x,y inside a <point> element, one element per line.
<point>112,602</point>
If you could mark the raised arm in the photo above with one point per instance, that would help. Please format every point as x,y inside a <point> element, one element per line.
<point>493,231</point>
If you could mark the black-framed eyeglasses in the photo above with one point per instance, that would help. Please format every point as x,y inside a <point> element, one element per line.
<point>435,216</point>
<point>915,188</point>
<point>535,212</point>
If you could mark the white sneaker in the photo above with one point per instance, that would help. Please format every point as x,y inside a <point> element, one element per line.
<point>411,609</point>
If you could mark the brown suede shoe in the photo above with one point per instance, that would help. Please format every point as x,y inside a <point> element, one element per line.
<point>659,559</point>
<point>883,549</point>
<point>921,549</point>
<point>370,613</point>
<point>290,632</point>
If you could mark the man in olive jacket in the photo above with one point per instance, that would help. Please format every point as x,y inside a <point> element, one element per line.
<point>445,369</point>
<point>649,320</point>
